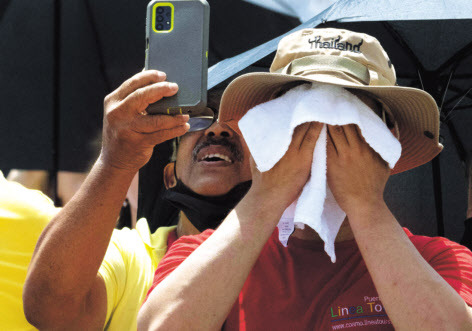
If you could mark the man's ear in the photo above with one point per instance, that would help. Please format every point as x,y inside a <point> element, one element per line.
<point>169,175</point>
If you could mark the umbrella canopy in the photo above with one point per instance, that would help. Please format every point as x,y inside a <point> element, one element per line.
<point>431,45</point>
<point>436,57</point>
<point>349,11</point>
<point>58,60</point>
<point>56,110</point>
<point>69,54</point>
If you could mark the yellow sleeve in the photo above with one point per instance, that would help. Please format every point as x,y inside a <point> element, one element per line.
<point>113,272</point>
<point>24,213</point>
<point>128,271</point>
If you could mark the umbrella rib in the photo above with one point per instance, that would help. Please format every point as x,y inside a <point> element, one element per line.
<point>458,102</point>
<point>456,97</point>
<point>421,81</point>
<point>465,107</point>
<point>446,88</point>
<point>56,113</point>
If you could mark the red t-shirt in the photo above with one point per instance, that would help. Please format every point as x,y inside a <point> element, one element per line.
<point>298,288</point>
<point>172,238</point>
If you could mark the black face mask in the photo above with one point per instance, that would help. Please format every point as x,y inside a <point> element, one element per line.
<point>202,211</point>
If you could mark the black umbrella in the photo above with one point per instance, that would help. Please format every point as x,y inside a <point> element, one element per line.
<point>430,42</point>
<point>67,55</point>
<point>435,57</point>
<point>98,46</point>
<point>58,60</point>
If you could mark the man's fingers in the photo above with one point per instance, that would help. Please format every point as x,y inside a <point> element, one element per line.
<point>311,136</point>
<point>353,135</point>
<point>139,80</point>
<point>140,99</point>
<point>154,123</point>
<point>160,136</point>
<point>298,135</point>
<point>331,148</point>
<point>331,152</point>
<point>338,137</point>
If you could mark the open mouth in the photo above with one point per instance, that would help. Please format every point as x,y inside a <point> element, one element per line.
<point>217,153</point>
<point>216,157</point>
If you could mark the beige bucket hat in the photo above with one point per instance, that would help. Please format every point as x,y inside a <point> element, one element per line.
<point>351,60</point>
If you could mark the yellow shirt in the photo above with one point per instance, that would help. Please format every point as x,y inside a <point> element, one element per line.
<point>127,269</point>
<point>23,216</point>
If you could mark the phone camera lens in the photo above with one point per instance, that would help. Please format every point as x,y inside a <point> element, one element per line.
<point>160,10</point>
<point>160,18</point>
<point>160,27</point>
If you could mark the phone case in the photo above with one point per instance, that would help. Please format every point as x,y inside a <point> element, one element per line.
<point>177,43</point>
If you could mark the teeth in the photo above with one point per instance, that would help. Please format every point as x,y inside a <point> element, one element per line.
<point>221,156</point>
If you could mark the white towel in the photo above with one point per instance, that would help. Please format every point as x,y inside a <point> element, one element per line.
<point>268,128</point>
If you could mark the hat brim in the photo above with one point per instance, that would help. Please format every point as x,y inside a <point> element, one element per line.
<point>414,110</point>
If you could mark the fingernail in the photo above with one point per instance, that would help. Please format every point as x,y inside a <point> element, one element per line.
<point>173,86</point>
<point>161,75</point>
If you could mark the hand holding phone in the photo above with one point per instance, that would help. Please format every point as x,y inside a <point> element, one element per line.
<point>177,44</point>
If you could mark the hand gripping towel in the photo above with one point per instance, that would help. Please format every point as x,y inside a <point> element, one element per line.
<point>268,129</point>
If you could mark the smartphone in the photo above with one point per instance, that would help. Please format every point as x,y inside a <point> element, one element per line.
<point>177,44</point>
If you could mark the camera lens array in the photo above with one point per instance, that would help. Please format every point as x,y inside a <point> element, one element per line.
<point>163,18</point>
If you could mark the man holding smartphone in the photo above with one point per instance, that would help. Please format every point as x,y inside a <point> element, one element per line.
<point>77,279</point>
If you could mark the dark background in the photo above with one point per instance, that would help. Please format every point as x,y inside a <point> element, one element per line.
<point>101,44</point>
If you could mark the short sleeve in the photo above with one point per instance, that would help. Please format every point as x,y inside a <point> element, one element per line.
<point>179,251</point>
<point>113,272</point>
<point>127,271</point>
<point>24,214</point>
<point>451,261</point>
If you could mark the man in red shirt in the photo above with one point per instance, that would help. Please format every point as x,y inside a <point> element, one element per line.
<point>64,288</point>
<point>241,277</point>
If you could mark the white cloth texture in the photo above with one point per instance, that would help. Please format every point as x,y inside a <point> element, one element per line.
<point>268,129</point>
